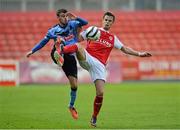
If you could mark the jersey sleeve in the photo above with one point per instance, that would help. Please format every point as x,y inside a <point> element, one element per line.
<point>78,22</point>
<point>41,44</point>
<point>81,21</point>
<point>51,34</point>
<point>117,43</point>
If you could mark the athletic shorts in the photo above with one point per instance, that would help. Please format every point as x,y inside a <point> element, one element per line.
<point>96,69</point>
<point>70,65</point>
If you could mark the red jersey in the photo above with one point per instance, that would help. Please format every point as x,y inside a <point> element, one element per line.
<point>102,47</point>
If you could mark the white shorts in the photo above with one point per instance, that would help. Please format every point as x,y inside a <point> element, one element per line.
<point>96,69</point>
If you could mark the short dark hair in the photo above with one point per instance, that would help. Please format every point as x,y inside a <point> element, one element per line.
<point>61,11</point>
<point>109,14</point>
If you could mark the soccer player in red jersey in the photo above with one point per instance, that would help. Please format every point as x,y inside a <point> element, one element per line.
<point>94,57</point>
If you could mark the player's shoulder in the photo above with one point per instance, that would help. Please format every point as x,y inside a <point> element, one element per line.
<point>54,26</point>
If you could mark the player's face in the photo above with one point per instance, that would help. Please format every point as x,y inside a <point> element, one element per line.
<point>62,18</point>
<point>107,22</point>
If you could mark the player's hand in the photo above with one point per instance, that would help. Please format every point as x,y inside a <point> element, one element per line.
<point>29,54</point>
<point>144,54</point>
<point>71,16</point>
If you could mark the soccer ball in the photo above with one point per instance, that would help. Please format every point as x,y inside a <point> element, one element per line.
<point>93,33</point>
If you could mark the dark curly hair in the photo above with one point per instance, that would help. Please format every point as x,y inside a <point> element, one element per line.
<point>109,14</point>
<point>61,11</point>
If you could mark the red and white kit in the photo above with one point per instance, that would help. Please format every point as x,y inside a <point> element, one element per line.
<point>97,53</point>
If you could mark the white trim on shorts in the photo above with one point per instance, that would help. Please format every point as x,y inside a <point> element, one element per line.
<point>96,69</point>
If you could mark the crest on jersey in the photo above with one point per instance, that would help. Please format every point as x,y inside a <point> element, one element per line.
<point>110,38</point>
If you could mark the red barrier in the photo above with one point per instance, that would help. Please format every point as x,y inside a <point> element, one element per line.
<point>9,73</point>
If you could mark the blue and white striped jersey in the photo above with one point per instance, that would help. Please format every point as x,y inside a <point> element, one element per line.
<point>68,33</point>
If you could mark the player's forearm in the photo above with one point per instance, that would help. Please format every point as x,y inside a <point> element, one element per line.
<point>41,44</point>
<point>82,21</point>
<point>130,51</point>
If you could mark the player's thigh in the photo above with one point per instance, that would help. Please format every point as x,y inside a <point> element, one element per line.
<point>85,62</point>
<point>70,66</point>
<point>96,69</point>
<point>81,55</point>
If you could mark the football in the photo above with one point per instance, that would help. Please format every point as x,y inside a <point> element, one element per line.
<point>93,33</point>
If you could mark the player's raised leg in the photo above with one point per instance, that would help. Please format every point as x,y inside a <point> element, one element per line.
<point>58,55</point>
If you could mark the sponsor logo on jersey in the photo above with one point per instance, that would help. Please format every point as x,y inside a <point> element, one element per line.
<point>110,38</point>
<point>69,37</point>
<point>104,42</point>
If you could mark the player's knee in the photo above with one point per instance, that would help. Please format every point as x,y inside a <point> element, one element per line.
<point>74,88</point>
<point>72,81</point>
<point>79,46</point>
<point>99,93</point>
<point>73,85</point>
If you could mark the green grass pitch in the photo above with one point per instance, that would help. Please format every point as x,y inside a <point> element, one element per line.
<point>140,105</point>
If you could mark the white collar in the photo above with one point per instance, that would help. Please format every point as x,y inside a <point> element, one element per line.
<point>104,29</point>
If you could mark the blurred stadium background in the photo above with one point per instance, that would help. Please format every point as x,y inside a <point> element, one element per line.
<point>151,25</point>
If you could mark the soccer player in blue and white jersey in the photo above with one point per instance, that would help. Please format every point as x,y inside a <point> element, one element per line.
<point>68,29</point>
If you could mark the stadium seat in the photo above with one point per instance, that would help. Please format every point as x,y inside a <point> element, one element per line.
<point>157,32</point>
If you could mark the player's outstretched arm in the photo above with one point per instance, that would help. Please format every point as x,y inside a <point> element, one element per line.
<point>130,51</point>
<point>38,46</point>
